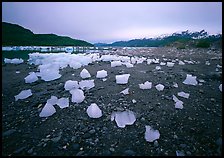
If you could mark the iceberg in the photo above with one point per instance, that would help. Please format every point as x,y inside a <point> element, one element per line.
<point>94,111</point>
<point>32,77</point>
<point>151,134</point>
<point>146,85</point>
<point>23,94</point>
<point>183,94</point>
<point>123,118</point>
<point>86,84</point>
<point>63,103</point>
<point>122,79</point>
<point>69,85</point>
<point>77,95</point>
<point>85,74</point>
<point>190,80</point>
<point>160,87</point>
<point>47,110</point>
<point>101,74</point>
<point>125,91</point>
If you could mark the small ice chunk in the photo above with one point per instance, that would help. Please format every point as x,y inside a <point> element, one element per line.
<point>77,95</point>
<point>104,79</point>
<point>183,94</point>
<point>85,73</point>
<point>86,84</point>
<point>128,65</point>
<point>178,103</point>
<point>75,65</point>
<point>116,63</point>
<point>146,85</point>
<point>133,101</point>
<point>170,64</point>
<point>23,94</point>
<point>151,134</point>
<point>125,91</point>
<point>71,85</point>
<point>158,68</point>
<point>162,63</point>
<point>17,72</point>
<point>13,61</point>
<point>179,153</point>
<point>122,79</point>
<point>207,63</point>
<point>94,111</point>
<point>32,77</point>
<point>181,62</point>
<point>175,85</point>
<point>123,118</point>
<point>63,103</point>
<point>53,100</point>
<point>159,87</point>
<point>220,87</point>
<point>201,80</point>
<point>101,74</point>
<point>190,80</point>
<point>49,75</point>
<point>219,66</point>
<point>47,110</point>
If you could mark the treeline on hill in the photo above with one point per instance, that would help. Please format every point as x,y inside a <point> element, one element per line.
<point>15,35</point>
<point>180,40</point>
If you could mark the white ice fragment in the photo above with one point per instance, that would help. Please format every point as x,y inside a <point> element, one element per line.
<point>94,111</point>
<point>128,65</point>
<point>201,80</point>
<point>23,94</point>
<point>85,73</point>
<point>32,77</point>
<point>77,95</point>
<point>17,72</point>
<point>149,61</point>
<point>116,63</point>
<point>86,84</point>
<point>178,103</point>
<point>220,87</point>
<point>175,85</point>
<point>104,79</point>
<point>101,74</point>
<point>71,85</point>
<point>162,63</point>
<point>219,66</point>
<point>123,118</point>
<point>179,153</point>
<point>190,80</point>
<point>146,85</point>
<point>125,91</point>
<point>181,62</point>
<point>158,68</point>
<point>13,61</point>
<point>133,101</point>
<point>207,63</point>
<point>170,64</point>
<point>122,79</point>
<point>183,94</point>
<point>47,110</point>
<point>63,103</point>
<point>53,100</point>
<point>159,87</point>
<point>75,65</point>
<point>151,134</point>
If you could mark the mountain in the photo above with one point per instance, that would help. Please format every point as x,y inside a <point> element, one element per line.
<point>180,40</point>
<point>15,35</point>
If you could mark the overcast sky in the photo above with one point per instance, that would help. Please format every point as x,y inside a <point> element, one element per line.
<point>113,21</point>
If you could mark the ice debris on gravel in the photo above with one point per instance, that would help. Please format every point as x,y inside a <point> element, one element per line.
<point>183,94</point>
<point>86,84</point>
<point>13,61</point>
<point>190,80</point>
<point>159,87</point>
<point>146,85</point>
<point>178,103</point>
<point>122,79</point>
<point>151,134</point>
<point>94,111</point>
<point>77,95</point>
<point>63,103</point>
<point>220,87</point>
<point>49,72</point>
<point>116,63</point>
<point>69,85</point>
<point>125,91</point>
<point>101,74</point>
<point>85,74</point>
<point>23,94</point>
<point>32,77</point>
<point>47,110</point>
<point>175,85</point>
<point>123,118</point>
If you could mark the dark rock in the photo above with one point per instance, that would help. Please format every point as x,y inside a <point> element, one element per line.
<point>17,151</point>
<point>86,135</point>
<point>9,132</point>
<point>92,131</point>
<point>75,146</point>
<point>106,153</point>
<point>129,153</point>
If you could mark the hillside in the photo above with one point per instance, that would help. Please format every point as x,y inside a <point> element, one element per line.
<point>15,35</point>
<point>179,40</point>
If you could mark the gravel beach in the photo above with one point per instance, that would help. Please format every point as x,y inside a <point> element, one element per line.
<point>195,130</point>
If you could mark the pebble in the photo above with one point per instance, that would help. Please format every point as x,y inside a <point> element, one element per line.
<point>188,153</point>
<point>156,144</point>
<point>79,153</point>
<point>129,153</point>
<point>30,151</point>
<point>92,131</point>
<point>112,149</point>
<point>106,153</point>
<point>183,145</point>
<point>212,99</point>
<point>9,132</point>
<point>19,150</point>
